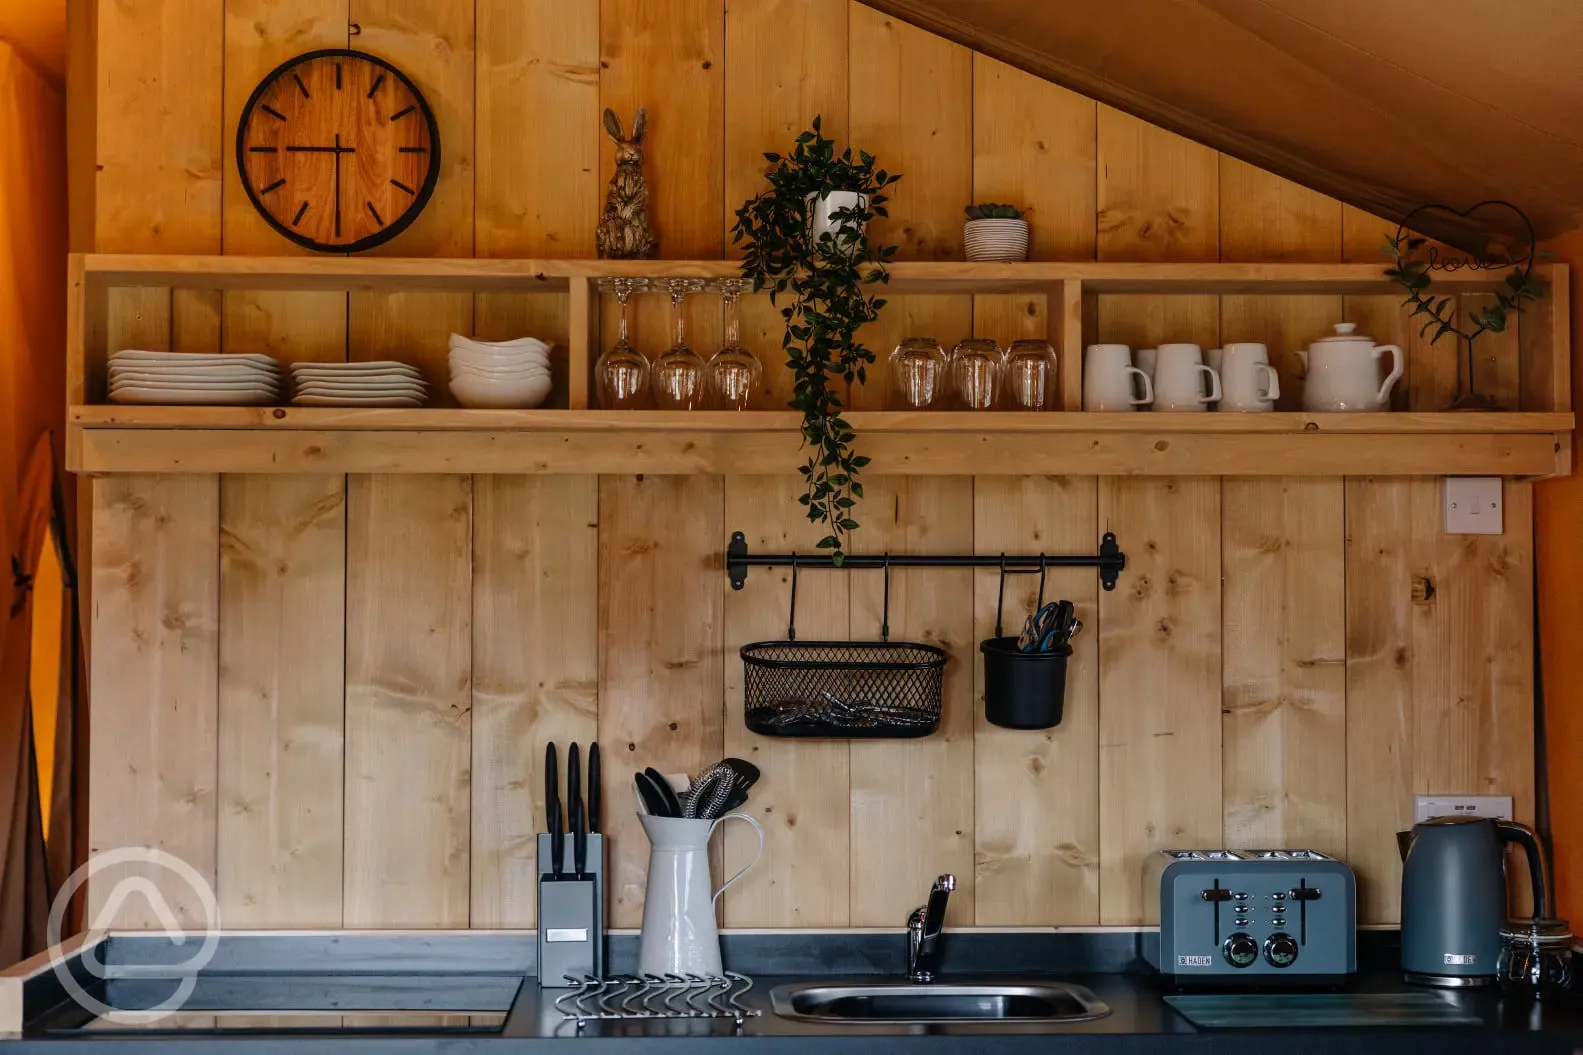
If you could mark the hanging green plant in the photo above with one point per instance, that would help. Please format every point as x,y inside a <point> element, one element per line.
<point>806,236</point>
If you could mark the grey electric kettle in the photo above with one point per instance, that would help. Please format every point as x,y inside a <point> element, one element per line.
<point>1454,896</point>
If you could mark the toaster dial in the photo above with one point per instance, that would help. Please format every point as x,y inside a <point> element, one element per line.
<point>1240,950</point>
<point>1280,950</point>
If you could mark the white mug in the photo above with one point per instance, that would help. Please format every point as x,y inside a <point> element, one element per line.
<point>1251,384</point>
<point>679,934</point>
<point>1178,385</point>
<point>1107,379</point>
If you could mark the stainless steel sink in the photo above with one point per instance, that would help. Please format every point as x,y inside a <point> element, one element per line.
<point>909,1002</point>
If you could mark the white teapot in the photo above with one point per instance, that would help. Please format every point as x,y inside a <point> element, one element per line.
<point>1342,372</point>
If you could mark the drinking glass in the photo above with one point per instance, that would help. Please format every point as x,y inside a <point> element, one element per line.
<point>622,372</point>
<point>677,376</point>
<point>975,372</point>
<point>918,367</point>
<point>1030,375</point>
<point>734,372</point>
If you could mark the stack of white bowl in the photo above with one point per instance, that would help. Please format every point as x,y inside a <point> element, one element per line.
<point>181,379</point>
<point>500,375</point>
<point>372,384</point>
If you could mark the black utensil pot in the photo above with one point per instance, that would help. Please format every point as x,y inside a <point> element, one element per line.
<point>1023,690</point>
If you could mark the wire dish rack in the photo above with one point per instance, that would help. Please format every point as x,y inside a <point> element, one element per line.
<point>628,998</point>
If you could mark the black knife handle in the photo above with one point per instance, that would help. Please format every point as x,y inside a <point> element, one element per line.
<point>552,809</point>
<point>574,810</point>
<point>593,789</point>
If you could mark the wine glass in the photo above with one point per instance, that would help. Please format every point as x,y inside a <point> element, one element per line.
<point>677,376</point>
<point>622,372</point>
<point>734,372</point>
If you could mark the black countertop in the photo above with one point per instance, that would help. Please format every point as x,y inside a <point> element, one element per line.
<point>1141,1020</point>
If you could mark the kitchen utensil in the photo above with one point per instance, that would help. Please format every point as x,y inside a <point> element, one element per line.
<point>747,774</point>
<point>194,397</point>
<point>595,792</point>
<point>975,372</point>
<point>672,804</point>
<point>357,401</point>
<point>677,376</point>
<point>1025,676</point>
<point>918,369</point>
<point>679,935</point>
<point>654,799</point>
<point>1050,628</point>
<point>1342,372</point>
<point>1250,917</point>
<point>1179,379</point>
<point>1030,374</point>
<point>1108,376</point>
<point>552,810</point>
<point>1454,896</point>
<point>1536,958</point>
<point>500,393</point>
<point>622,372</point>
<point>1250,383</point>
<point>574,810</point>
<point>709,792</point>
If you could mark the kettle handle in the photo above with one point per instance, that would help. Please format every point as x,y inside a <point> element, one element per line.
<point>1538,869</point>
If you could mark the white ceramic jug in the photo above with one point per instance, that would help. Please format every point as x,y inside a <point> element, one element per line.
<point>1341,372</point>
<point>679,934</point>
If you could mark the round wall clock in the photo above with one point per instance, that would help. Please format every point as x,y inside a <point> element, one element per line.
<point>338,150</point>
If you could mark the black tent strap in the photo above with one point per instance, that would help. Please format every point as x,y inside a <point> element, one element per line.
<point>1109,560</point>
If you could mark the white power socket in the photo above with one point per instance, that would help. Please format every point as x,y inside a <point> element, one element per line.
<point>1427,806</point>
<point>1473,505</point>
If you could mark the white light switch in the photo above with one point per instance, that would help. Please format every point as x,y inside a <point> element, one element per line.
<point>1473,505</point>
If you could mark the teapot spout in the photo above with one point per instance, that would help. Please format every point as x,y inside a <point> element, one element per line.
<point>1404,842</point>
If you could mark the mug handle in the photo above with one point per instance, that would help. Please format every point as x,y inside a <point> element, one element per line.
<point>1302,357</point>
<point>1397,362</point>
<point>1275,382</point>
<point>1214,383</point>
<point>1148,387</point>
<point>750,864</point>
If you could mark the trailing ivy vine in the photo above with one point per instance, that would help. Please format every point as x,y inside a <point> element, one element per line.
<point>824,277</point>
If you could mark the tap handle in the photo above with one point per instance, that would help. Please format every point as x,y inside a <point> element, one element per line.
<point>944,884</point>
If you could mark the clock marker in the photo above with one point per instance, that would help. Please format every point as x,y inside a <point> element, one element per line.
<point>303,88</point>
<point>403,186</point>
<point>271,111</point>
<point>413,150</point>
<point>261,150</point>
<point>375,212</point>
<point>377,82</point>
<point>337,76</point>
<point>295,220</point>
<point>399,114</point>
<point>273,186</point>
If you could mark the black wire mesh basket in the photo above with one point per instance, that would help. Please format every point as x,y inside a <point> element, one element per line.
<point>850,690</point>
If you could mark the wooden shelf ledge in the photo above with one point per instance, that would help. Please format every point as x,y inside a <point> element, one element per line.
<point>297,440</point>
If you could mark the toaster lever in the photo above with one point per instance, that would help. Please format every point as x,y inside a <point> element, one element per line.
<point>1215,894</point>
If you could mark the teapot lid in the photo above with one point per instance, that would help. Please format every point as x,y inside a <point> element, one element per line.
<point>1345,331</point>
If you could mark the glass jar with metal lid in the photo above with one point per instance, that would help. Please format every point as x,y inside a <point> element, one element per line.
<point>1536,957</point>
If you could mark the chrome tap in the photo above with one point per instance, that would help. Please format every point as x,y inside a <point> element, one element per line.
<point>923,931</point>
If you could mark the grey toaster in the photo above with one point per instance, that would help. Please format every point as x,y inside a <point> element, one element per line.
<point>1250,917</point>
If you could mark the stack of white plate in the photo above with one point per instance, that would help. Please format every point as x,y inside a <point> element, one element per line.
<point>182,379</point>
<point>500,375</point>
<point>378,384</point>
<point>996,238</point>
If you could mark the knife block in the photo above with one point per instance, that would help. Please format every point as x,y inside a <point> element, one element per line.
<point>571,915</point>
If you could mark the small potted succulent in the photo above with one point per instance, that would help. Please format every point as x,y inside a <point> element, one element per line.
<point>995,232</point>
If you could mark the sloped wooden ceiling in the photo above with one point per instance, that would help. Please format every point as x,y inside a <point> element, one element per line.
<point>1386,104</point>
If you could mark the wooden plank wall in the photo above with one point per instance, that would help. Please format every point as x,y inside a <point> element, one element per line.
<point>331,694</point>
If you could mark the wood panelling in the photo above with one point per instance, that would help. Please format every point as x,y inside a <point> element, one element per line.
<point>1034,863</point>
<point>535,670</point>
<point>331,694</point>
<point>802,799</point>
<point>661,550</point>
<point>408,700</point>
<point>1159,682</point>
<point>282,699</point>
<point>155,674</point>
<point>912,800</point>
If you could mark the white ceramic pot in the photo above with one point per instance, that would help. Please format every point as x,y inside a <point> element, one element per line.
<point>997,238</point>
<point>822,207</point>
<point>1342,372</point>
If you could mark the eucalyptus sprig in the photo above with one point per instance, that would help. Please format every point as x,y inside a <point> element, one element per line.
<point>1413,275</point>
<point>825,277</point>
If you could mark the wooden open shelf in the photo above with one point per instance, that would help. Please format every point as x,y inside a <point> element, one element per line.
<point>111,439</point>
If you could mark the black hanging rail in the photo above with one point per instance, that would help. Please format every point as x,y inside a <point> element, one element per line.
<point>1110,560</point>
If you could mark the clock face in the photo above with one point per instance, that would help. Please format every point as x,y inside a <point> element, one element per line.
<point>338,150</point>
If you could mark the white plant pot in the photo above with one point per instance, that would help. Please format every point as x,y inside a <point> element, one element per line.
<point>996,239</point>
<point>820,209</point>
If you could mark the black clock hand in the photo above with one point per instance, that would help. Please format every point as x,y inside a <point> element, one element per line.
<point>337,184</point>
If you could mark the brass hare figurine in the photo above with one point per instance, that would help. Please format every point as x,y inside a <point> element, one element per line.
<point>624,231</point>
